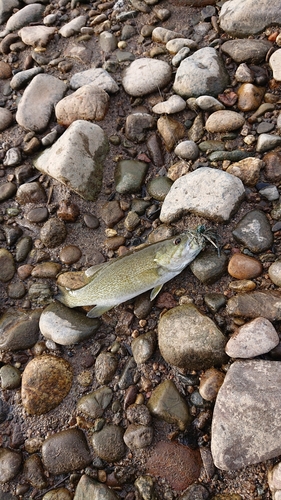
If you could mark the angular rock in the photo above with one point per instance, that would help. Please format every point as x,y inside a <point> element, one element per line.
<point>89,102</point>
<point>242,419</point>
<point>94,403</point>
<point>171,131</point>
<point>190,340</point>
<point>137,125</point>
<point>97,76</point>
<point>129,175</point>
<point>254,231</point>
<point>246,50</point>
<point>65,451</point>
<point>242,17</point>
<point>84,144</point>
<point>146,75</point>
<point>167,404</point>
<point>174,104</point>
<point>94,490</point>
<point>207,192</point>
<point>252,339</point>
<point>209,267</point>
<point>203,73</point>
<point>36,36</point>
<point>248,170</point>
<point>42,93</point>
<point>254,304</point>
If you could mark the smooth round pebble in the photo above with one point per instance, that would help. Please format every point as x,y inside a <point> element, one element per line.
<point>224,121</point>
<point>70,254</point>
<point>187,150</point>
<point>244,267</point>
<point>91,221</point>
<point>10,462</point>
<point>65,451</point>
<point>7,265</point>
<point>108,443</point>
<point>274,272</point>
<point>38,214</point>
<point>6,118</point>
<point>159,187</point>
<point>210,382</point>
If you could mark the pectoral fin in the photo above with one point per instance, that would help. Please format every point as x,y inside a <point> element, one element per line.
<point>155,291</point>
<point>91,271</point>
<point>98,311</point>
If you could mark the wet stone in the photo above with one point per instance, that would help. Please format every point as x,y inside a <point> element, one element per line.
<point>155,150</point>
<point>190,340</point>
<point>209,267</point>
<point>145,486</point>
<point>88,488</point>
<point>66,326</point>
<point>210,383</point>
<point>254,232</point>
<point>39,214</point>
<point>108,443</point>
<point>112,213</point>
<point>138,436</point>
<point>105,367</point>
<point>244,267</point>
<point>70,254</point>
<point>138,414</point>
<point>252,339</point>
<point>53,233</point>
<point>18,330</point>
<point>46,381</point>
<point>143,347</point>
<point>33,472</point>
<point>195,492</point>
<point>249,97</point>
<point>167,404</point>
<point>94,403</point>
<point>158,187</point>
<point>7,191</point>
<point>7,265</point>
<point>65,451</point>
<point>91,221</point>
<point>67,211</point>
<point>128,374</point>
<point>23,247</point>
<point>129,176</point>
<point>58,494</point>
<point>253,304</point>
<point>10,463</point>
<point>10,377</point>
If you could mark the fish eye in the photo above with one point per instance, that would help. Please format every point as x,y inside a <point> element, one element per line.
<point>177,241</point>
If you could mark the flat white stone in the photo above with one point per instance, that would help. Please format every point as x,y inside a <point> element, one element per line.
<point>146,75</point>
<point>98,76</point>
<point>252,339</point>
<point>207,192</point>
<point>187,150</point>
<point>275,64</point>
<point>174,104</point>
<point>73,26</point>
<point>36,35</point>
<point>173,46</point>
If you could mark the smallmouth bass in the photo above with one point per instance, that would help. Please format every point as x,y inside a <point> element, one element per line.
<point>147,268</point>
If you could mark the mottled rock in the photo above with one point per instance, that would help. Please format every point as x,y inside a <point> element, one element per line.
<point>53,233</point>
<point>224,121</point>
<point>89,102</point>
<point>143,347</point>
<point>171,131</point>
<point>129,175</point>
<point>210,382</point>
<point>246,50</point>
<point>19,330</point>
<point>254,232</point>
<point>88,488</point>
<point>31,192</point>
<point>10,377</point>
<point>252,339</point>
<point>248,170</point>
<point>272,169</point>
<point>94,403</point>
<point>241,18</point>
<point>108,443</point>
<point>138,436</point>
<point>97,76</point>
<point>254,304</point>
<point>167,404</point>
<point>10,462</point>
<point>146,75</point>
<point>105,367</point>
<point>65,451</point>
<point>34,473</point>
<point>244,267</point>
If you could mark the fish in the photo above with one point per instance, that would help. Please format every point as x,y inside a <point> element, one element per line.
<point>147,268</point>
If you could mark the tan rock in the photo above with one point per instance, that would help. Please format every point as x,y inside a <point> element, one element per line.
<point>210,383</point>
<point>36,36</point>
<point>171,131</point>
<point>244,267</point>
<point>89,102</point>
<point>248,170</point>
<point>249,97</point>
<point>224,121</point>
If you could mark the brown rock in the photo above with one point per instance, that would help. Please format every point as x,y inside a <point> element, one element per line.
<point>210,383</point>
<point>272,169</point>
<point>68,212</point>
<point>244,267</point>
<point>31,192</point>
<point>248,170</point>
<point>89,102</point>
<point>249,97</point>
<point>70,254</point>
<point>177,464</point>
<point>171,131</point>
<point>5,70</point>
<point>115,242</point>
<point>65,451</point>
<point>254,304</point>
<point>46,381</point>
<point>112,213</point>
<point>46,270</point>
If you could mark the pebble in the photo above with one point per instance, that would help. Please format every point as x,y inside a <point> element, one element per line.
<point>6,119</point>
<point>224,121</point>
<point>89,102</point>
<point>274,481</point>
<point>53,233</point>
<point>163,35</point>
<point>252,339</point>
<point>244,267</point>
<point>42,93</point>
<point>146,75</point>
<point>23,17</point>
<point>129,176</point>
<point>67,211</point>
<point>94,403</point>
<point>108,443</point>
<point>209,103</point>
<point>132,221</point>
<point>7,265</point>
<point>74,26</point>
<point>138,436</point>
<point>190,340</point>
<point>137,125</point>
<point>187,150</point>
<point>46,270</point>
<point>240,422</point>
<point>70,149</point>
<point>274,272</point>
<point>16,290</point>
<point>171,131</point>
<point>143,347</point>
<point>39,214</point>
<point>167,404</point>
<point>70,254</point>
<point>202,73</point>
<point>10,463</point>
<point>36,35</point>
<point>174,104</point>
<point>257,303</point>
<point>7,191</point>
<point>267,141</point>
<point>254,232</point>
<point>207,192</point>
<point>138,414</point>
<point>246,50</point>
<point>65,326</point>
<point>180,56</point>
<point>249,97</point>
<point>127,376</point>
<point>158,187</point>
<point>271,193</point>
<point>65,451</point>
<point>34,473</point>
<point>196,492</point>
<point>19,330</point>
<point>214,301</point>
<point>31,192</point>
<point>98,76</point>
<point>12,157</point>
<point>6,9</point>
<point>105,367</point>
<point>88,488</point>
<point>241,19</point>
<point>10,377</point>
<point>265,127</point>
<point>274,63</point>
<point>5,70</point>
<point>248,170</point>
<point>91,221</point>
<point>210,383</point>
<point>242,285</point>
<point>112,213</point>
<point>209,267</point>
<point>244,74</point>
<point>176,44</point>
<point>179,465</point>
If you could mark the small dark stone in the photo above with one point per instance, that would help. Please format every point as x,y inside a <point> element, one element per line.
<point>53,233</point>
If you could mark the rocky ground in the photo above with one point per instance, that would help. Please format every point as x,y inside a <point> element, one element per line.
<point>122,123</point>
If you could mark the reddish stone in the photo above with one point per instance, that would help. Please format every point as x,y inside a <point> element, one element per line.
<point>228,99</point>
<point>244,267</point>
<point>272,170</point>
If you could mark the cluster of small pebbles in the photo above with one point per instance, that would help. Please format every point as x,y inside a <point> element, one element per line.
<point>124,122</point>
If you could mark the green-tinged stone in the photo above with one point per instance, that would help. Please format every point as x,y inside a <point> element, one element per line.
<point>159,187</point>
<point>96,402</point>
<point>129,175</point>
<point>236,155</point>
<point>167,404</point>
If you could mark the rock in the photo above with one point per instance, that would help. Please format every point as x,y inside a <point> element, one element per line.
<point>23,17</point>
<point>112,213</point>
<point>246,50</point>
<point>19,330</point>
<point>177,464</point>
<point>158,187</point>
<point>84,144</point>
<point>272,169</point>
<point>244,267</point>
<point>98,76</point>
<point>23,247</point>
<point>138,414</point>
<point>254,304</point>
<point>34,473</point>
<point>94,403</point>
<point>145,486</point>
<point>274,63</point>
<point>167,404</point>
<point>249,97</point>
<point>209,103</point>
<point>190,340</point>
<point>5,69</point>
<point>10,377</point>
<point>210,383</point>
<point>143,347</point>
<point>137,125</point>
<point>241,18</point>
<point>43,93</point>
<point>224,121</point>
<point>88,488</point>
<point>6,118</point>
<point>248,170</point>
<point>171,131</point>
<point>138,436</point>
<point>70,254</point>
<point>6,9</point>
<point>146,75</point>
<point>163,35</point>
<point>127,376</point>
<point>214,301</point>
<point>209,267</point>
<point>31,192</point>
<point>53,233</point>
<point>174,104</point>
<point>10,463</point>
<point>108,41</point>
<point>89,102</point>
<point>65,326</point>
<point>274,481</point>
<point>252,339</point>
<point>7,265</point>
<point>267,141</point>
<point>73,27</point>
<point>203,73</point>
<point>254,232</point>
<point>108,443</point>
<point>240,422</point>
<point>7,190</point>
<point>206,192</point>
<point>274,272</point>
<point>195,492</point>
<point>105,367</point>
<point>36,36</point>
<point>174,45</point>
<point>46,381</point>
<point>129,176</point>
<point>244,74</point>
<point>65,451</point>
<point>187,150</point>
<point>271,193</point>
<point>180,56</point>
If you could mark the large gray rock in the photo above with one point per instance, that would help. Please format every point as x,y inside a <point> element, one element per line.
<point>42,94</point>
<point>206,192</point>
<point>6,8</point>
<point>246,50</point>
<point>247,17</point>
<point>203,73</point>
<point>146,75</point>
<point>25,16</point>
<point>246,426</point>
<point>84,144</point>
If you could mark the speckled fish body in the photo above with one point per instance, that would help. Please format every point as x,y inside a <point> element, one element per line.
<point>149,267</point>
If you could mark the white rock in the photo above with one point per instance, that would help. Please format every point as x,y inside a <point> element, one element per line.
<point>36,35</point>
<point>180,56</point>
<point>275,64</point>
<point>224,121</point>
<point>209,103</point>
<point>163,35</point>
<point>173,46</point>
<point>98,76</point>
<point>245,17</point>
<point>25,16</point>
<point>187,150</point>
<point>208,192</point>
<point>73,26</point>
<point>266,142</point>
<point>146,75</point>
<point>252,339</point>
<point>174,104</point>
